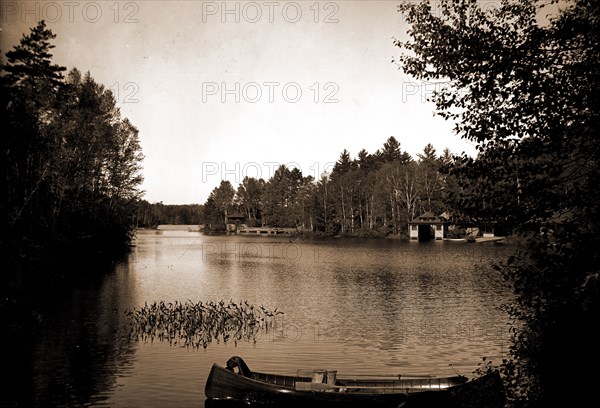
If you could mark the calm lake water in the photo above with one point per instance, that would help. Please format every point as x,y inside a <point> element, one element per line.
<point>358,306</point>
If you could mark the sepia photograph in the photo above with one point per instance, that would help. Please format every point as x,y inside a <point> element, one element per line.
<point>309,203</point>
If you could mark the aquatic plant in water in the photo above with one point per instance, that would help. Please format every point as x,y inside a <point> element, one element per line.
<point>198,324</point>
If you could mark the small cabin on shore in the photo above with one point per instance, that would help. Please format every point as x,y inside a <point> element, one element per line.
<point>427,226</point>
<point>234,221</point>
<point>236,218</point>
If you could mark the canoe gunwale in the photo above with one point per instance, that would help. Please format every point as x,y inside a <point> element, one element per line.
<point>226,384</point>
<point>247,387</point>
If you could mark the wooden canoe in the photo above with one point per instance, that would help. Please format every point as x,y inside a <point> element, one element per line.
<point>235,382</point>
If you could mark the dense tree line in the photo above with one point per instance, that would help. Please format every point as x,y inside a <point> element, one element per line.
<point>150,215</point>
<point>70,161</point>
<point>521,80</point>
<point>371,195</point>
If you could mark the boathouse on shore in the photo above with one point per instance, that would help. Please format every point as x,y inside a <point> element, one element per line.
<point>233,221</point>
<point>427,226</point>
<point>236,218</point>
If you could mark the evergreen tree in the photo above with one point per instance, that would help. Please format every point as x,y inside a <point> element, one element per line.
<point>430,180</point>
<point>71,162</point>
<point>29,100</point>
<point>30,63</point>
<point>391,152</point>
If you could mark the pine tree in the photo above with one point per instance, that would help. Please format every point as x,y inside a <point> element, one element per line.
<point>30,93</point>
<point>30,62</point>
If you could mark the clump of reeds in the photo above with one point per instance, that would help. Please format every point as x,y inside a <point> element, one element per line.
<point>198,324</point>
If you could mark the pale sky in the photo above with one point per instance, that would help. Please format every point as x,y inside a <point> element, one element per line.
<point>229,89</point>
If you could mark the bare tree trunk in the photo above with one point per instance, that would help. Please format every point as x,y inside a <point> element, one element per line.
<point>360,213</point>
<point>343,211</point>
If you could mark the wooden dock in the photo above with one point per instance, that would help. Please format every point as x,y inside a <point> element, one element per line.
<point>241,230</point>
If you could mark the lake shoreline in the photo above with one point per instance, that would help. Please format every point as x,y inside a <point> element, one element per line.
<point>310,235</point>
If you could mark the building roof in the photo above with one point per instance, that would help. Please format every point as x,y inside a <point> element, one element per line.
<point>428,214</point>
<point>427,218</point>
<point>236,215</point>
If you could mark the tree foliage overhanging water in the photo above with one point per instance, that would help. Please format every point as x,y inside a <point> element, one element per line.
<point>523,84</point>
<point>72,163</point>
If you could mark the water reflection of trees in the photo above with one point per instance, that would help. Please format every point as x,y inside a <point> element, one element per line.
<point>64,345</point>
<point>196,325</point>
